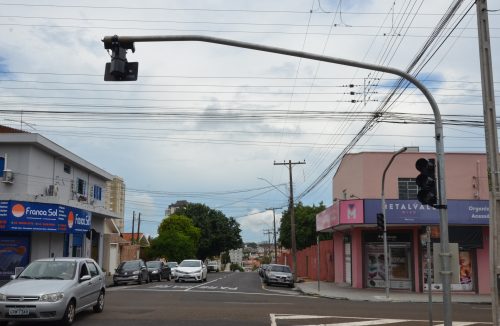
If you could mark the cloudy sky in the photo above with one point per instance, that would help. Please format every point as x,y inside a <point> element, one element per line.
<point>206,122</point>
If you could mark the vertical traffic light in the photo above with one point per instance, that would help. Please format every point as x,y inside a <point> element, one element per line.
<point>380,221</point>
<point>426,181</point>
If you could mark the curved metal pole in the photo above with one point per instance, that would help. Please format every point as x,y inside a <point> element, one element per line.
<point>386,249</point>
<point>128,42</point>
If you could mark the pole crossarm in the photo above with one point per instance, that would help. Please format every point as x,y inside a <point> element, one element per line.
<point>115,43</point>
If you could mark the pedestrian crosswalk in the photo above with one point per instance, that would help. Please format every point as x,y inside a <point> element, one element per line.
<point>315,320</point>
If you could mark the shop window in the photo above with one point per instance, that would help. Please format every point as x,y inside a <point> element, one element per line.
<point>2,166</point>
<point>408,188</point>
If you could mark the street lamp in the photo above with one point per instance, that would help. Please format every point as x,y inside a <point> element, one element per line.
<point>386,250</point>
<point>119,70</point>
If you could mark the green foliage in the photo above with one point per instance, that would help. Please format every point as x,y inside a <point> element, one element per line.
<point>305,226</point>
<point>218,233</point>
<point>233,267</point>
<point>177,239</point>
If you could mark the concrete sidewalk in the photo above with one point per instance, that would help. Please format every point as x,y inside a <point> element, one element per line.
<point>336,291</point>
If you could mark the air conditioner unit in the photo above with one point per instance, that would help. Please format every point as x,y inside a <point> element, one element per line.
<point>52,190</point>
<point>8,176</point>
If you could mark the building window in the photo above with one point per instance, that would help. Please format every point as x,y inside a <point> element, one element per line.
<point>408,188</point>
<point>82,187</point>
<point>67,168</point>
<point>97,192</point>
<point>2,166</point>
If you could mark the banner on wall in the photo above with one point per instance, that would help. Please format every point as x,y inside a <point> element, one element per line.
<point>29,216</point>
<point>468,212</point>
<point>14,252</point>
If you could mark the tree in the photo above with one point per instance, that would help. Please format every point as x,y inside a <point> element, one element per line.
<point>177,239</point>
<point>218,233</point>
<point>305,226</point>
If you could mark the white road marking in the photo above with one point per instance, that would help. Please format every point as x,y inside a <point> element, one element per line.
<point>363,322</point>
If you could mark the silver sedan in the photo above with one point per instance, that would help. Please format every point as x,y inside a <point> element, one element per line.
<point>53,289</point>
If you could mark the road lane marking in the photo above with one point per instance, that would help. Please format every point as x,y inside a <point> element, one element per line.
<point>360,321</point>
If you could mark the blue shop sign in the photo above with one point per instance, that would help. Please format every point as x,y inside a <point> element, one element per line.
<point>29,216</point>
<point>465,212</point>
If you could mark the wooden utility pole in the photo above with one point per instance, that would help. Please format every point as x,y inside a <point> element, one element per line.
<point>292,216</point>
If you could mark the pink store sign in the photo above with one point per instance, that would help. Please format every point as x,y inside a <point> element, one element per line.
<point>351,211</point>
<point>328,218</point>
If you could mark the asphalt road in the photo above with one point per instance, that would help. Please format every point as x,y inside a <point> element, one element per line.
<point>241,299</point>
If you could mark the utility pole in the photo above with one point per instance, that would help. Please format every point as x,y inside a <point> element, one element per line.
<point>490,133</point>
<point>138,227</point>
<point>268,232</point>
<point>292,216</point>
<point>133,226</point>
<point>274,232</point>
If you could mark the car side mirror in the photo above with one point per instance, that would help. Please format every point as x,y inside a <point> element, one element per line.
<point>85,277</point>
<point>13,277</point>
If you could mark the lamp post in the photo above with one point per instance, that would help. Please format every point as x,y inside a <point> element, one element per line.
<point>386,249</point>
<point>119,69</point>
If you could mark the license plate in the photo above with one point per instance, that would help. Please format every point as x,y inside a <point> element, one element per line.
<point>19,311</point>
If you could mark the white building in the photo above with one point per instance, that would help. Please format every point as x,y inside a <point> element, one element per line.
<point>52,202</point>
<point>236,256</point>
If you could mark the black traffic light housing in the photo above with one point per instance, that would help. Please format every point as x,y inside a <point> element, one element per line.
<point>426,181</point>
<point>380,221</point>
<point>119,69</point>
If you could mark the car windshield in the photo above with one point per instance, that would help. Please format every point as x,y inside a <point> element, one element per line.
<point>130,266</point>
<point>277,268</point>
<point>153,264</point>
<point>172,264</point>
<point>50,270</point>
<point>190,263</point>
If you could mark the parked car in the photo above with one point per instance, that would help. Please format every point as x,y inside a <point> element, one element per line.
<point>158,270</point>
<point>131,271</point>
<point>262,270</point>
<point>213,266</point>
<point>278,274</point>
<point>173,267</point>
<point>191,270</point>
<point>54,289</point>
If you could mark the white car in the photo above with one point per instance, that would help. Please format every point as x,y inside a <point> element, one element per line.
<point>191,270</point>
<point>53,289</point>
<point>173,267</point>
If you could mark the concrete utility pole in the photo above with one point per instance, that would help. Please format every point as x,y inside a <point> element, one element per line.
<point>133,226</point>
<point>490,125</point>
<point>121,70</point>
<point>292,216</point>
<point>268,232</point>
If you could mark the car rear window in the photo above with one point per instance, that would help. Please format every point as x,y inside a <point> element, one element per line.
<point>283,269</point>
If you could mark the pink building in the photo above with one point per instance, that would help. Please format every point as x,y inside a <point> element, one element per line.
<point>358,252</point>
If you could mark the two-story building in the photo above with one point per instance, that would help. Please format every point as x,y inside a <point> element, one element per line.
<point>358,247</point>
<point>52,203</point>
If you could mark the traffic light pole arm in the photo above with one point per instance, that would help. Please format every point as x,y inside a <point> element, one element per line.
<point>128,41</point>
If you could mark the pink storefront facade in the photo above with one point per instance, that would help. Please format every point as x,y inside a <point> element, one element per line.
<point>355,255</point>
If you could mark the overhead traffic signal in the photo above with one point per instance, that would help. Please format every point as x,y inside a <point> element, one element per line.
<point>380,221</point>
<point>426,181</point>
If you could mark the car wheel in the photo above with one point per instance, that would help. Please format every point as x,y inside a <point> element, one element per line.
<point>159,277</point>
<point>99,306</point>
<point>176,281</point>
<point>69,314</point>
<point>148,279</point>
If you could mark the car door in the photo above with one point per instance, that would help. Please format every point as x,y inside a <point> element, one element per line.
<point>95,281</point>
<point>83,288</point>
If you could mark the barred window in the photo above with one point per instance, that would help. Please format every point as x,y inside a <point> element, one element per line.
<point>408,188</point>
